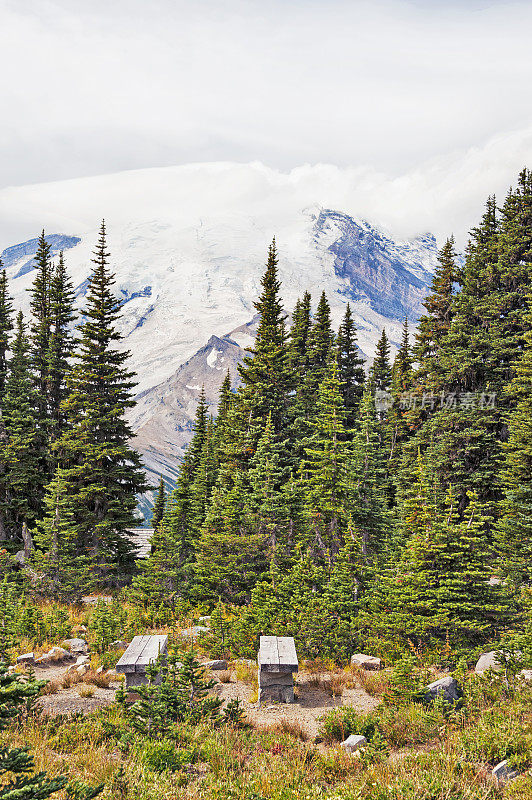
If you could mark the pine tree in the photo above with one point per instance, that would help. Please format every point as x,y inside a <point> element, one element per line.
<point>381,371</point>
<point>61,345</point>
<point>323,469</point>
<point>41,326</point>
<point>159,505</point>
<point>514,530</point>
<point>6,326</point>
<point>19,781</point>
<point>299,336</point>
<point>320,342</point>
<point>22,481</point>
<point>266,375</point>
<point>350,368</point>
<point>103,473</point>
<point>62,565</point>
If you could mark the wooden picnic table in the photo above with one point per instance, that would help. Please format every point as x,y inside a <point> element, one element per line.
<point>142,651</point>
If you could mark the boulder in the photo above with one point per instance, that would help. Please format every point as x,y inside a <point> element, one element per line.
<point>216,664</point>
<point>366,662</point>
<point>82,669</point>
<point>487,661</point>
<point>76,645</point>
<point>354,742</point>
<point>26,658</point>
<point>446,687</point>
<point>82,660</point>
<point>119,644</point>
<point>58,654</point>
<point>503,773</point>
<point>525,675</point>
<point>194,632</point>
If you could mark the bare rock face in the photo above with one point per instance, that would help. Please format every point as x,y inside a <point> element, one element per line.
<point>366,662</point>
<point>446,687</point>
<point>354,743</point>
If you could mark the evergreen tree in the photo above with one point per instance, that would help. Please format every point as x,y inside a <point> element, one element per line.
<point>159,505</point>
<point>323,469</point>
<point>22,481</point>
<point>299,336</point>
<point>61,344</point>
<point>381,371</point>
<point>41,326</point>
<point>320,342</point>
<point>62,564</point>
<point>103,473</point>
<point>6,326</point>
<point>514,530</point>
<point>350,368</point>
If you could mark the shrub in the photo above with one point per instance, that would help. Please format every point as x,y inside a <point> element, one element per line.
<point>341,722</point>
<point>498,733</point>
<point>164,755</point>
<point>412,724</point>
<point>85,690</point>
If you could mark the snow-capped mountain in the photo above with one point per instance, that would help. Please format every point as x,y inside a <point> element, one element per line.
<point>188,249</point>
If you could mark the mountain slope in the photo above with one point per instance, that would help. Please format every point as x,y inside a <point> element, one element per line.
<point>188,248</point>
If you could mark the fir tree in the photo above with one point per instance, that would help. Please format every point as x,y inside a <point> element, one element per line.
<point>61,344</point>
<point>41,326</point>
<point>266,375</point>
<point>103,473</point>
<point>22,482</point>
<point>381,371</point>
<point>323,467</point>
<point>159,505</point>
<point>6,326</point>
<point>350,368</point>
<point>320,342</point>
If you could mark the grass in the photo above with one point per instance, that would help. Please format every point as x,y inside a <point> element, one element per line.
<point>85,690</point>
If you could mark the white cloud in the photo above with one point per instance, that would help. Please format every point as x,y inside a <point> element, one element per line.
<point>98,87</point>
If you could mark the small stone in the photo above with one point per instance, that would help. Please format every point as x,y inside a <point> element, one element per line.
<point>82,660</point>
<point>216,664</point>
<point>504,773</point>
<point>446,687</point>
<point>42,661</point>
<point>99,671</point>
<point>119,644</point>
<point>525,675</point>
<point>82,629</point>
<point>26,658</point>
<point>366,662</point>
<point>354,742</point>
<point>204,621</point>
<point>82,669</point>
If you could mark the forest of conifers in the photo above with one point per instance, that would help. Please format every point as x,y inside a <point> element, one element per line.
<point>389,507</point>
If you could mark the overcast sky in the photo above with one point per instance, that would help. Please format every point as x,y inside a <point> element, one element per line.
<point>402,88</point>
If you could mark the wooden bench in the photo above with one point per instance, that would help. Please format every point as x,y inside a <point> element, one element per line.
<point>142,651</point>
<point>277,663</point>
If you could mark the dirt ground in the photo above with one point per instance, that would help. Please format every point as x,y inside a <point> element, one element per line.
<point>311,702</point>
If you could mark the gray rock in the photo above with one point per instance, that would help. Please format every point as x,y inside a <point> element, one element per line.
<point>26,658</point>
<point>100,670</point>
<point>119,644</point>
<point>194,632</point>
<point>354,742</point>
<point>205,621</point>
<point>82,669</point>
<point>366,662</point>
<point>82,660</point>
<point>446,687</point>
<point>76,645</point>
<point>503,773</point>
<point>20,557</point>
<point>58,654</point>
<point>525,675</point>
<point>276,694</point>
<point>216,664</point>
<point>487,661</point>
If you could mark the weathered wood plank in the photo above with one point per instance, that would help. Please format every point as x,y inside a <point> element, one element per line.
<point>287,654</point>
<point>128,660</point>
<point>150,653</point>
<point>277,654</point>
